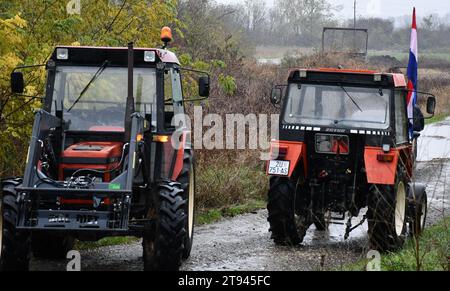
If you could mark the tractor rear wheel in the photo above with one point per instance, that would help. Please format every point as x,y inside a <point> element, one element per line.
<point>14,245</point>
<point>163,245</point>
<point>281,207</point>
<point>387,215</point>
<point>48,246</point>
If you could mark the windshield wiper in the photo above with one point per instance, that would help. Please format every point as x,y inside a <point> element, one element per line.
<point>351,98</point>
<point>97,74</point>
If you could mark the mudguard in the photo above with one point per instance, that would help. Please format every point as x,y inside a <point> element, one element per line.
<point>179,160</point>
<point>378,172</point>
<point>416,191</point>
<point>293,152</point>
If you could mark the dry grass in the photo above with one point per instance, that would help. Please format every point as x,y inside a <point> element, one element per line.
<point>226,180</point>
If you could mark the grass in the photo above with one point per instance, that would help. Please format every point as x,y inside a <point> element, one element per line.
<point>214,215</point>
<point>223,184</point>
<point>400,55</point>
<point>434,252</point>
<point>109,241</point>
<point>436,118</point>
<point>227,189</point>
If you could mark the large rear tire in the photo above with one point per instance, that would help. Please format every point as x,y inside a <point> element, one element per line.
<point>14,245</point>
<point>281,207</point>
<point>387,215</point>
<point>49,246</point>
<point>163,245</point>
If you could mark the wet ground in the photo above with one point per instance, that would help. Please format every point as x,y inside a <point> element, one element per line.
<point>243,243</point>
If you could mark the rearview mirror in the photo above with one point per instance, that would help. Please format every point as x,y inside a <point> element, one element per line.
<point>203,86</point>
<point>277,94</point>
<point>17,83</point>
<point>431,105</point>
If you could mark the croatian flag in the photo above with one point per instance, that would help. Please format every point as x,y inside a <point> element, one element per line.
<point>412,74</point>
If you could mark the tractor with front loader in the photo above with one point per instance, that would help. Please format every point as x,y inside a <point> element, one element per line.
<point>344,146</point>
<point>105,158</point>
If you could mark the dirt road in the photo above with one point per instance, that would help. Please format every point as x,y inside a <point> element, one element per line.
<point>243,243</point>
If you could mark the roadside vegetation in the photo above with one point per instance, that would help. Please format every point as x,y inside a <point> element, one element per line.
<point>430,253</point>
<point>106,242</point>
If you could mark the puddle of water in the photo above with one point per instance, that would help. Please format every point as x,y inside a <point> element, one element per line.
<point>276,61</point>
<point>434,142</point>
<point>335,233</point>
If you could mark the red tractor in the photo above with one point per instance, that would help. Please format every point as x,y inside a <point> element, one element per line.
<point>105,158</point>
<point>345,145</point>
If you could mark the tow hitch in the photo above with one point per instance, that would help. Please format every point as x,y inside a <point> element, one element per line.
<point>351,228</point>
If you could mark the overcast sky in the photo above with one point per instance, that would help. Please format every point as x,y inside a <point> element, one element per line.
<point>383,8</point>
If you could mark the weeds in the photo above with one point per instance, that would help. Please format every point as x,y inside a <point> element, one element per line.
<point>433,254</point>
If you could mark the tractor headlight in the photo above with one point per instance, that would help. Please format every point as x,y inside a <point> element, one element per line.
<point>62,54</point>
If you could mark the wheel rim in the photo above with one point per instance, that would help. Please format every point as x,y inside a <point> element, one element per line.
<point>423,215</point>
<point>400,209</point>
<point>191,202</point>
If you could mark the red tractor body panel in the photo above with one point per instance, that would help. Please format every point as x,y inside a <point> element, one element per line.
<point>102,156</point>
<point>294,152</point>
<point>179,162</point>
<point>381,167</point>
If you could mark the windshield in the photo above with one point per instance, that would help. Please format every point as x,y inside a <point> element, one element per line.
<point>335,105</point>
<point>101,106</point>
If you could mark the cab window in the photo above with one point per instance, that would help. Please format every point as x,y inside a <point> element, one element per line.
<point>401,118</point>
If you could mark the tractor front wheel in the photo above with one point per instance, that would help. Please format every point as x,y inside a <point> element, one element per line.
<point>163,245</point>
<point>14,245</point>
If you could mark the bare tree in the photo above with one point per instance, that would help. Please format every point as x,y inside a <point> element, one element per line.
<point>256,12</point>
<point>304,17</point>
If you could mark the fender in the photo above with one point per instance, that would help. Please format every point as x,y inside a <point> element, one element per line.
<point>416,192</point>
<point>380,172</point>
<point>290,151</point>
<point>179,161</point>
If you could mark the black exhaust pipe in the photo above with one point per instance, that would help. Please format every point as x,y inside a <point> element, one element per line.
<point>130,98</point>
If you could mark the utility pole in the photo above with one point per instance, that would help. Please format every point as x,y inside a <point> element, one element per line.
<point>354,26</point>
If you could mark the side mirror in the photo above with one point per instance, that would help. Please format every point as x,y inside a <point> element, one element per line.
<point>277,95</point>
<point>17,83</point>
<point>203,86</point>
<point>431,105</point>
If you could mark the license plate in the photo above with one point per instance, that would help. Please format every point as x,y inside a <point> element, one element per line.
<point>279,168</point>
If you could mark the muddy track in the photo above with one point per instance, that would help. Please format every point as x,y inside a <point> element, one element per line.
<point>243,243</point>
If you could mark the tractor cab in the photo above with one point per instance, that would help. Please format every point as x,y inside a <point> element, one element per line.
<point>343,133</point>
<point>89,94</point>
